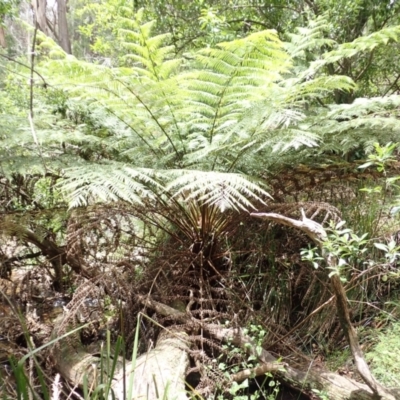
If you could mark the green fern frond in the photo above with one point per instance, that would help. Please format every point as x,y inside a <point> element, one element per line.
<point>228,79</point>
<point>111,182</point>
<point>108,182</point>
<point>142,96</point>
<point>359,45</point>
<point>147,54</point>
<point>364,106</point>
<point>317,87</point>
<point>60,144</point>
<point>363,43</point>
<point>360,124</point>
<point>226,191</point>
<point>311,38</point>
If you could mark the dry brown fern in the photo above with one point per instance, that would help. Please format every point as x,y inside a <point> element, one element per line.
<point>330,182</point>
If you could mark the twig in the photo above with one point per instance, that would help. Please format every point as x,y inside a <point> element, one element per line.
<point>31,85</point>
<point>257,371</point>
<point>30,115</point>
<point>45,84</point>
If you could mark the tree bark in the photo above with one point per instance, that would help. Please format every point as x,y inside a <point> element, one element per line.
<point>63,34</point>
<point>39,7</point>
<point>3,42</point>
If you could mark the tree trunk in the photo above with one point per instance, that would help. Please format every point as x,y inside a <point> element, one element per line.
<point>39,7</point>
<point>3,42</point>
<point>63,35</point>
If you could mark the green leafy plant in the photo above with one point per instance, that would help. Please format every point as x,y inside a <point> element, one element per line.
<point>343,244</point>
<point>385,354</point>
<point>346,246</point>
<point>268,388</point>
<point>391,250</point>
<point>321,394</point>
<point>187,142</point>
<point>382,157</point>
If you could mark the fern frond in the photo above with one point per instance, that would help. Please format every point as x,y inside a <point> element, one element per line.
<point>142,96</point>
<point>108,182</point>
<point>147,54</point>
<point>232,75</point>
<point>360,45</point>
<point>226,191</point>
<point>318,87</point>
<point>310,38</point>
<point>360,124</point>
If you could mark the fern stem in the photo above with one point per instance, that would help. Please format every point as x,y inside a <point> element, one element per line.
<point>218,108</point>
<point>240,154</point>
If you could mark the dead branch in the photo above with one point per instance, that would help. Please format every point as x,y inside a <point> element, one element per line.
<point>336,387</point>
<point>317,234</point>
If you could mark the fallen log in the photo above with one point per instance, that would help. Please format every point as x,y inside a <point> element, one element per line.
<point>334,386</point>
<point>156,374</point>
<point>161,371</point>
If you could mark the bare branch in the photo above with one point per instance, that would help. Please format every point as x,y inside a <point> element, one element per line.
<point>318,235</point>
<point>257,371</point>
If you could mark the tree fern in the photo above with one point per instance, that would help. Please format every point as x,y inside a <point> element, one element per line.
<point>224,106</point>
